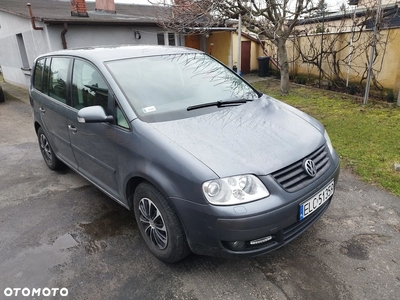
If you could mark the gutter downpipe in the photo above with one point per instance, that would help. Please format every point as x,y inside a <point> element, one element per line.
<point>239,51</point>
<point>63,39</point>
<point>33,18</point>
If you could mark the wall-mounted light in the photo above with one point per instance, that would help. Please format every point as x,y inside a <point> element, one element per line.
<point>137,35</point>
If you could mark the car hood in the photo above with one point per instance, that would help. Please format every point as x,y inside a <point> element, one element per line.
<point>258,137</point>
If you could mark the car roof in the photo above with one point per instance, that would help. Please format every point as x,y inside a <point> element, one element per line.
<point>109,53</point>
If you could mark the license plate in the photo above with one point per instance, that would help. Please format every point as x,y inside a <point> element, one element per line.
<point>312,204</point>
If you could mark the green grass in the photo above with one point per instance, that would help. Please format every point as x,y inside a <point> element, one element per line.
<point>367,138</point>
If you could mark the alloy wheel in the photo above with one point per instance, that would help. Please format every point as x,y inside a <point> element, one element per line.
<point>45,147</point>
<point>153,223</point>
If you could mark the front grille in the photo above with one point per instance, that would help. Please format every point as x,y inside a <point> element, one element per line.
<point>293,177</point>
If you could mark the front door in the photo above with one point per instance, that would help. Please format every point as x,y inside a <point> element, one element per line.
<point>246,45</point>
<point>93,143</point>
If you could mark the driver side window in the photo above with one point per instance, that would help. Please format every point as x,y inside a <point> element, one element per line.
<point>88,87</point>
<point>58,78</point>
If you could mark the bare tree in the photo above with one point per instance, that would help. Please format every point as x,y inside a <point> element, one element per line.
<point>186,16</point>
<point>318,42</point>
<point>272,19</point>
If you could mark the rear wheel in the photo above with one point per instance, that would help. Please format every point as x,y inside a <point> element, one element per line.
<point>159,225</point>
<point>47,151</point>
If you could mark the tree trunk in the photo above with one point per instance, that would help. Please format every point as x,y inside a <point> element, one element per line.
<point>284,62</point>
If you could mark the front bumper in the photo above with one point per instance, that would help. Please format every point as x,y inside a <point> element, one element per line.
<point>279,238</point>
<point>210,229</point>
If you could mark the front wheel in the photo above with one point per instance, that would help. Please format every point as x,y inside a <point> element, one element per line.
<point>159,225</point>
<point>47,151</point>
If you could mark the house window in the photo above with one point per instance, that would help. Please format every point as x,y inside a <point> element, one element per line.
<point>22,51</point>
<point>160,38</point>
<point>167,38</point>
<point>171,39</point>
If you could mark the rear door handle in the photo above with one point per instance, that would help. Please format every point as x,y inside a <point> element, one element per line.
<point>72,128</point>
<point>42,109</point>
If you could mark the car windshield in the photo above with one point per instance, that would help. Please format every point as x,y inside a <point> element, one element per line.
<point>161,88</point>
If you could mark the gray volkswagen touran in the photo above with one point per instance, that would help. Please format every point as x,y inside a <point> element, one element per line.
<point>206,162</point>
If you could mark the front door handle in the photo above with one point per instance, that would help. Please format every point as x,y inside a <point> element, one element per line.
<point>42,110</point>
<point>72,128</point>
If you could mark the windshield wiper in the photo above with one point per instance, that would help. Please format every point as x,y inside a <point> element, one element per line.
<point>219,103</point>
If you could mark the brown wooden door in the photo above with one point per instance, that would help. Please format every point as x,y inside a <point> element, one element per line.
<point>246,45</point>
<point>192,41</point>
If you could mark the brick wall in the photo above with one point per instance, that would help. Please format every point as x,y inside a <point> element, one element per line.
<point>78,8</point>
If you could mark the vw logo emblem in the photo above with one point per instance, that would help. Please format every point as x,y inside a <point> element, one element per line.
<point>309,167</point>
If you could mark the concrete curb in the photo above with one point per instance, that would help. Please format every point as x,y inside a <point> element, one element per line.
<point>252,78</point>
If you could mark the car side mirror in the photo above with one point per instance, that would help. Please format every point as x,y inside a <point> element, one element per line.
<point>93,114</point>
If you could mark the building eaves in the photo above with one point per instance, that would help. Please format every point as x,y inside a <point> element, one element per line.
<point>250,37</point>
<point>335,16</point>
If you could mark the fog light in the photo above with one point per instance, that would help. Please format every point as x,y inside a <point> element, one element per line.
<point>236,245</point>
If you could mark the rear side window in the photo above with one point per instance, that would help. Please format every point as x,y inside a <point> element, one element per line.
<point>37,79</point>
<point>88,86</point>
<point>46,75</point>
<point>58,78</point>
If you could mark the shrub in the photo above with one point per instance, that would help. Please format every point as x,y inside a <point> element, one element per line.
<point>352,89</point>
<point>301,79</point>
<point>390,96</point>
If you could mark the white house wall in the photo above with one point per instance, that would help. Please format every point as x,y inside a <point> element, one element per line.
<point>83,36</point>
<point>10,59</point>
<point>38,42</point>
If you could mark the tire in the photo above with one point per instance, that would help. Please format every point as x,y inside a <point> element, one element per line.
<point>159,225</point>
<point>47,151</point>
<point>2,98</point>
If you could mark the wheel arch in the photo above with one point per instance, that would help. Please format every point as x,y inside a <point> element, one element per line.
<point>130,189</point>
<point>37,126</point>
<point>134,182</point>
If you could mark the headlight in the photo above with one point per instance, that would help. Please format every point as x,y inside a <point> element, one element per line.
<point>328,142</point>
<point>234,190</point>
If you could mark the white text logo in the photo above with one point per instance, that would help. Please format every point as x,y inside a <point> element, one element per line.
<point>27,292</point>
